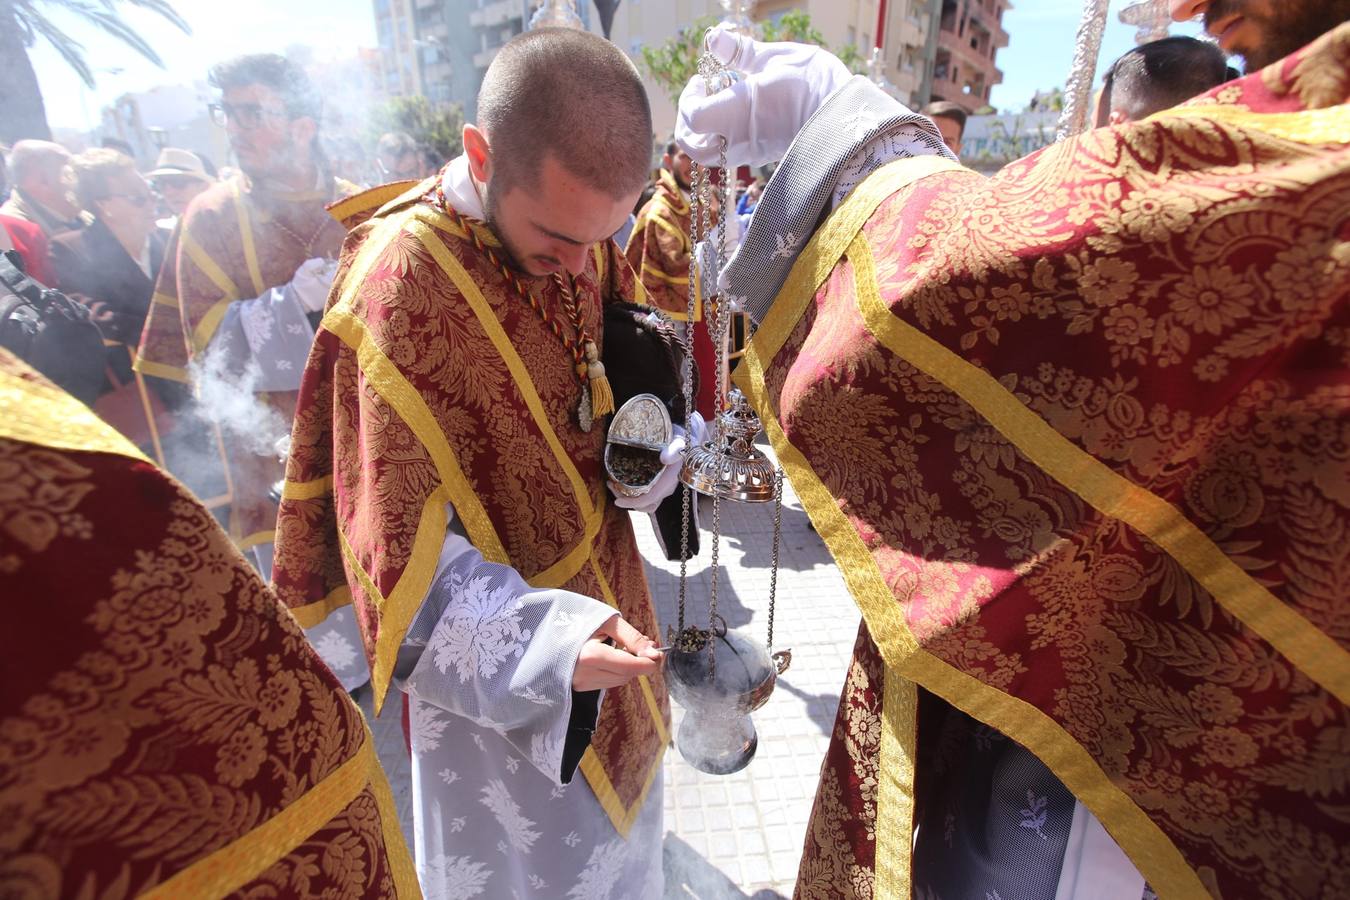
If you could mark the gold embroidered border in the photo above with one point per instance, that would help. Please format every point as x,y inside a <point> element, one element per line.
<point>563,570</point>
<point>620,817</point>
<point>670,228</point>
<point>1297,639</point>
<point>397,855</point>
<point>206,328</point>
<point>244,859</point>
<point>373,198</point>
<point>246,238</point>
<point>38,412</point>
<point>307,490</point>
<point>1330,125</point>
<point>677,281</point>
<point>160,370</point>
<point>1156,856</point>
<point>598,252</point>
<point>164,300</point>
<point>896,771</point>
<point>412,586</point>
<point>592,514</point>
<point>312,614</point>
<point>208,266</point>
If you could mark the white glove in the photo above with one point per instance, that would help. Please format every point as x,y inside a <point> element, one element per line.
<point>672,459</point>
<point>781,86</point>
<point>312,282</point>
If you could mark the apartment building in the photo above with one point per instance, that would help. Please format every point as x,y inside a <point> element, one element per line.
<point>970,34</point>
<point>908,36</point>
<point>441,48</point>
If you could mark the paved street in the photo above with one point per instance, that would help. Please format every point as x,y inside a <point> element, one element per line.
<point>740,835</point>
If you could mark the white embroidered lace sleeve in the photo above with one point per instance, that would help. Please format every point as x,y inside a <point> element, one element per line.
<point>488,647</point>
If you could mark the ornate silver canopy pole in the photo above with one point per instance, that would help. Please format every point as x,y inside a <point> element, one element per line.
<point>1078,91</point>
<point>556,14</point>
<point>1151,17</point>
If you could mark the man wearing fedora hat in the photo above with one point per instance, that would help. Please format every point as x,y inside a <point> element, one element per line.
<point>179,175</point>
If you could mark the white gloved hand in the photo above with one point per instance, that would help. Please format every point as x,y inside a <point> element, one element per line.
<point>672,459</point>
<point>312,282</point>
<point>781,86</point>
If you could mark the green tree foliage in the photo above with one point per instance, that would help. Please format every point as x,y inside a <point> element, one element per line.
<point>22,111</point>
<point>439,128</point>
<point>676,61</point>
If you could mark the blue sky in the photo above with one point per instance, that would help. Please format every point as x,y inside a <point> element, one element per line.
<point>1037,57</point>
<point>1041,37</point>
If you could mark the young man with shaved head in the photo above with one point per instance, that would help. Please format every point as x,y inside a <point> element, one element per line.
<point>446,481</point>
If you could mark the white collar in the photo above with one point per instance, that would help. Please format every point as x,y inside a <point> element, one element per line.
<point>461,191</point>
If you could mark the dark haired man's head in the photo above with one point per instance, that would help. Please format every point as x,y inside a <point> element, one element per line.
<point>950,120</point>
<point>398,157</point>
<point>1264,31</point>
<point>679,164</point>
<point>271,112</point>
<point>1159,75</point>
<point>562,146</point>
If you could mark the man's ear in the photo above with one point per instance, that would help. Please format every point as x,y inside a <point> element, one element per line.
<point>479,153</point>
<point>1117,117</point>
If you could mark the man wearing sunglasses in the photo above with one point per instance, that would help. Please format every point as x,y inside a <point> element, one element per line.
<point>244,269</point>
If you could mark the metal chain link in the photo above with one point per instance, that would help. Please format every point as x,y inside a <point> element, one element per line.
<point>777,539</point>
<point>697,176</point>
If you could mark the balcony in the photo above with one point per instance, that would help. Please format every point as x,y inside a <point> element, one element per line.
<point>910,35</point>
<point>495,14</point>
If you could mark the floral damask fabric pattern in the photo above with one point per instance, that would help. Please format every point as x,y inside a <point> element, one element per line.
<point>1173,298</point>
<point>536,476</point>
<point>158,704</point>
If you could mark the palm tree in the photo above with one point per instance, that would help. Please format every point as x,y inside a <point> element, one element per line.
<point>22,22</point>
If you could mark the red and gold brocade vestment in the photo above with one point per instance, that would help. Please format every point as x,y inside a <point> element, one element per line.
<point>165,728</point>
<point>234,243</point>
<point>432,383</point>
<point>659,250</point>
<point>1078,436</point>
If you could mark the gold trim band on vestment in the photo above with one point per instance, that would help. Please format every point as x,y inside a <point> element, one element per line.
<point>247,242</point>
<point>307,490</point>
<point>40,413</point>
<point>1113,495</point>
<point>236,864</point>
<point>160,370</point>
<point>591,513</point>
<point>1155,855</point>
<point>312,614</point>
<point>1329,125</point>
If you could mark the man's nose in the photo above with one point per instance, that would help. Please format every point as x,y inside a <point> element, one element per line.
<point>1183,10</point>
<point>574,259</point>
